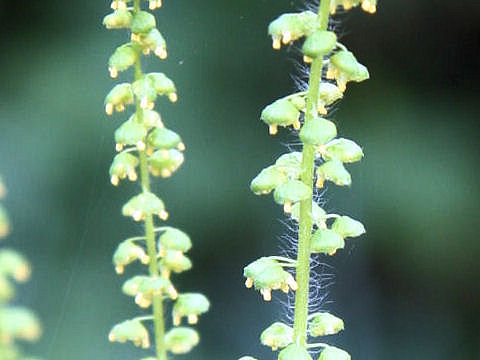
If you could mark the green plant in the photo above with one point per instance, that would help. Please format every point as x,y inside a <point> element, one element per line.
<point>292,177</point>
<point>143,142</point>
<point>16,323</point>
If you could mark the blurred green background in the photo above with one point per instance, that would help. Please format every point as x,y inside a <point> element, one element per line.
<point>409,289</point>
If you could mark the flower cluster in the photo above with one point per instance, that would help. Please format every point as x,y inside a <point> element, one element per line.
<point>16,323</point>
<point>146,147</point>
<point>294,176</point>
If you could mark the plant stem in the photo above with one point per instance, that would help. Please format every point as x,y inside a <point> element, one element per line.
<point>306,221</point>
<point>157,305</point>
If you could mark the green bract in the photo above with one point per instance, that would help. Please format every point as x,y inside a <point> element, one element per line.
<point>181,340</point>
<point>319,43</point>
<point>333,171</point>
<point>267,181</point>
<point>291,192</point>
<point>348,227</point>
<point>119,19</point>
<point>318,131</point>
<point>291,27</point>
<point>281,113</point>
<point>325,324</point>
<point>327,241</point>
<point>347,151</point>
<point>130,330</point>
<point>294,352</point>
<point>278,335</point>
<point>333,353</point>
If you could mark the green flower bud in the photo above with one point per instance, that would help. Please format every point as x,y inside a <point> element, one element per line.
<point>4,223</point>
<point>333,171</point>
<point>344,67</point>
<point>174,239</point>
<point>126,253</point>
<point>289,193</point>
<point>278,335</point>
<point>119,19</point>
<point>120,96</point>
<point>190,305</point>
<point>318,44</point>
<point>174,261</point>
<point>7,291</point>
<point>325,324</point>
<point>333,353</point>
<point>328,94</point>
<point>130,133</point>
<point>19,323</point>
<point>327,241</point>
<point>318,131</point>
<point>268,180</point>
<point>290,164</point>
<point>181,340</point>
<point>144,90</point>
<point>294,352</point>
<point>149,287</point>
<point>291,27</point>
<point>123,165</point>
<point>143,22</point>
<point>254,269</point>
<point>165,162</point>
<point>152,41</point>
<point>281,113</point>
<point>348,227</point>
<point>130,330</point>
<point>132,285</point>
<point>164,86</point>
<point>165,139</point>
<point>344,150</point>
<point>14,264</point>
<point>123,57</point>
<point>319,215</point>
<point>143,205</point>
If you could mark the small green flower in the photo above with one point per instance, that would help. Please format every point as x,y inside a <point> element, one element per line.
<point>291,192</point>
<point>327,241</point>
<point>190,305</point>
<point>130,133</point>
<point>175,240</point>
<point>119,19</point>
<point>165,139</point>
<point>144,90</point>
<point>347,151</point>
<point>130,330</point>
<point>291,27</point>
<point>144,288</point>
<point>145,204</point>
<point>181,340</point>
<point>327,95</point>
<point>294,352</point>
<point>348,227</point>
<point>290,164</point>
<point>126,253</point>
<point>333,171</point>
<point>124,165</point>
<point>120,96</point>
<point>268,180</point>
<point>14,264</point>
<point>319,215</point>
<point>344,67</point>
<point>19,323</point>
<point>152,41</point>
<point>318,44</point>
<point>123,57</point>
<point>325,324</point>
<point>333,353</point>
<point>165,162</point>
<point>278,335</point>
<point>281,113</point>
<point>174,261</point>
<point>318,131</point>
<point>164,86</point>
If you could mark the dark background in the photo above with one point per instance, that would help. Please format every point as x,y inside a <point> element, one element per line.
<point>409,289</point>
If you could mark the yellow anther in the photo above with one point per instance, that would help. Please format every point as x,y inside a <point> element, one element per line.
<point>141,145</point>
<point>135,37</point>
<point>122,5</point>
<point>292,283</point>
<point>307,59</point>
<point>172,292</point>
<point>267,294</point>
<point>333,9</point>
<point>285,288</point>
<point>192,319</point>
<point>141,301</point>
<point>132,176</point>
<point>322,109</point>
<point>119,147</point>
<point>177,320</point>
<point>342,85</point>
<point>369,7</point>
<point>287,207</point>
<point>320,182</point>
<point>161,52</point>
<point>165,154</point>
<point>146,343</point>
<point>165,173</point>
<point>150,106</point>
<point>181,146</point>
<point>109,108</point>
<point>161,251</point>
<point>120,107</point>
<point>330,73</point>
<point>4,230</point>
<point>114,5</point>
<point>322,149</point>
<point>297,125</point>
<point>144,103</point>
<point>152,5</point>
<point>173,97</point>
<point>286,37</point>
<point>277,44</point>
<point>273,129</point>
<point>163,215</point>
<point>113,72</point>
<point>347,5</point>
<point>146,51</point>
<point>159,3</point>
<point>111,336</point>
<point>249,283</point>
<point>22,273</point>
<point>114,180</point>
<point>137,215</point>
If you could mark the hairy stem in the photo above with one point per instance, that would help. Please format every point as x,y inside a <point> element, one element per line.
<point>306,221</point>
<point>157,303</point>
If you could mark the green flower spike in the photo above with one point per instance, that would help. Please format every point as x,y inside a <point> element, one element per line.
<point>126,253</point>
<point>190,305</point>
<point>333,353</point>
<point>181,340</point>
<point>144,204</point>
<point>294,352</point>
<point>327,241</point>
<point>119,19</point>
<point>174,240</point>
<point>344,67</point>
<point>327,95</point>
<point>268,180</point>
<point>333,171</point>
<point>291,27</point>
<point>14,264</point>
<point>123,166</point>
<point>318,131</point>
<point>291,192</point>
<point>18,323</point>
<point>320,43</point>
<point>130,330</point>
<point>165,162</point>
<point>277,336</point>
<point>348,227</point>
<point>120,96</point>
<point>281,113</point>
<point>325,324</point>
<point>347,151</point>
<point>121,60</point>
<point>130,133</point>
